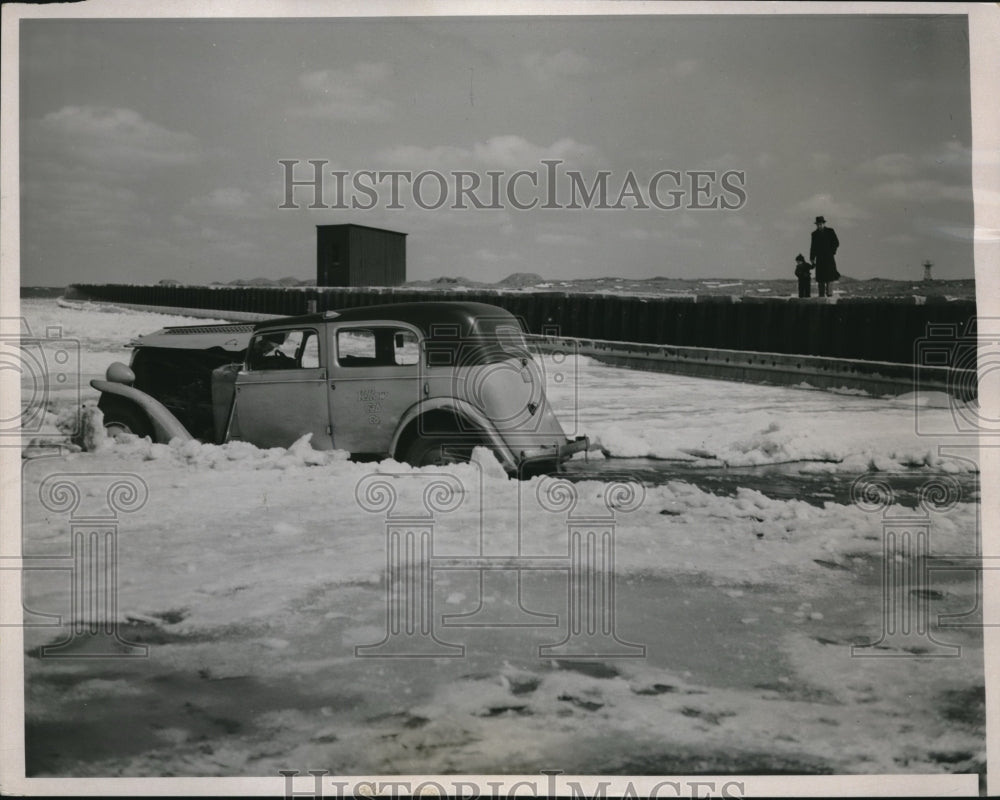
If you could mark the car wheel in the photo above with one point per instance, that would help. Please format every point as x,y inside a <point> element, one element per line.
<point>121,419</point>
<point>437,450</point>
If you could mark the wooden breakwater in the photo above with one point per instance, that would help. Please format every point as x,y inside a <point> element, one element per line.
<point>899,330</point>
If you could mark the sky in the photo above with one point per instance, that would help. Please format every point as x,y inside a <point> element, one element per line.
<point>151,149</point>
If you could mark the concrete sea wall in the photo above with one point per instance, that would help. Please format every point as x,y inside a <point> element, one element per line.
<point>706,334</point>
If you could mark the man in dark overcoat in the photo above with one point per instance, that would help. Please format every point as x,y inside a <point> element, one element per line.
<point>821,254</point>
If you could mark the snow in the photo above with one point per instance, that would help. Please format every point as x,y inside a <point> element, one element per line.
<point>101,330</point>
<point>254,573</point>
<point>711,423</point>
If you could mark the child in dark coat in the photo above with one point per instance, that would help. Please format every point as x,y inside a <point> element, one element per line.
<point>803,271</point>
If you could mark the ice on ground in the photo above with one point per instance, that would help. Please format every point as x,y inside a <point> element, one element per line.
<point>253,574</point>
<point>703,422</point>
<point>286,509</point>
<point>265,571</point>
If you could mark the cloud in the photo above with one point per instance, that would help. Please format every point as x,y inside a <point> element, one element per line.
<point>931,89</point>
<point>229,198</point>
<point>492,257</point>
<point>114,138</point>
<point>685,67</point>
<point>956,154</point>
<point>232,238</point>
<point>561,239</point>
<point>677,70</point>
<point>890,165</point>
<point>836,211</point>
<point>668,235</point>
<point>922,191</point>
<point>730,160</point>
<point>821,162</point>
<point>85,209</point>
<point>742,224</point>
<point>416,157</point>
<point>951,155</point>
<point>347,94</point>
<point>958,231</point>
<point>639,234</point>
<point>549,68</point>
<point>517,152</point>
<point>509,152</point>
<point>686,220</point>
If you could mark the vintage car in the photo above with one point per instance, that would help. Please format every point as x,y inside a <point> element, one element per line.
<point>421,382</point>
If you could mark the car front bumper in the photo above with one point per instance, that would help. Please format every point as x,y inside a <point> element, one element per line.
<point>555,453</point>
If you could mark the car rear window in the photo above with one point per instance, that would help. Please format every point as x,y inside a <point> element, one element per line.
<point>492,339</point>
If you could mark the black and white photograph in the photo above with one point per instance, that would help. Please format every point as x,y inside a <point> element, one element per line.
<point>494,400</point>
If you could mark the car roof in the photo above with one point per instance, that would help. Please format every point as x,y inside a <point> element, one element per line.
<point>436,319</point>
<point>430,317</point>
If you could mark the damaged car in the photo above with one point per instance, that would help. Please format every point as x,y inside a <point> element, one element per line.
<point>423,383</point>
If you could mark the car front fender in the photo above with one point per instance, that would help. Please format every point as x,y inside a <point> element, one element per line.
<point>459,408</point>
<point>166,426</point>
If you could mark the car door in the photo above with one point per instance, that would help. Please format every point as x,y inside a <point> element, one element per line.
<point>281,392</point>
<point>374,379</point>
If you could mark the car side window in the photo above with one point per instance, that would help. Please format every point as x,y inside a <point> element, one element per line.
<point>295,349</point>
<point>406,348</point>
<point>377,347</point>
<point>309,350</point>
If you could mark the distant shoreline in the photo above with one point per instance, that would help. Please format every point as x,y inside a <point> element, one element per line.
<point>42,291</point>
<point>958,289</point>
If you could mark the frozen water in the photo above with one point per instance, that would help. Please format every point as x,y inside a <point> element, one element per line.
<point>252,574</point>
